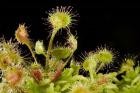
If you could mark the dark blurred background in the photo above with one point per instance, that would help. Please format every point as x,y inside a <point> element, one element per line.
<point>116,25</point>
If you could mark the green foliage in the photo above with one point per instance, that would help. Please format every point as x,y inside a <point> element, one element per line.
<point>61,72</point>
<point>61,52</point>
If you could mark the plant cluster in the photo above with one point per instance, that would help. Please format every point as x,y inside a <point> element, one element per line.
<point>19,75</point>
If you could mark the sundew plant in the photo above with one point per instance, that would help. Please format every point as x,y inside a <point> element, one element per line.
<point>61,72</point>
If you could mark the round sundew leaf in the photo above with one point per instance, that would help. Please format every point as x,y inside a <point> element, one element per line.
<point>60,19</point>
<point>21,34</point>
<point>104,56</point>
<point>61,52</point>
<point>89,63</point>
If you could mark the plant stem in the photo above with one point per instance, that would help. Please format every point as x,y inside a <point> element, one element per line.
<point>51,42</point>
<point>33,54</point>
<point>47,60</point>
<point>91,74</point>
<point>101,65</point>
<point>68,59</point>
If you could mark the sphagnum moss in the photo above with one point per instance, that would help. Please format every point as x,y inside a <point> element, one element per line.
<point>18,76</point>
